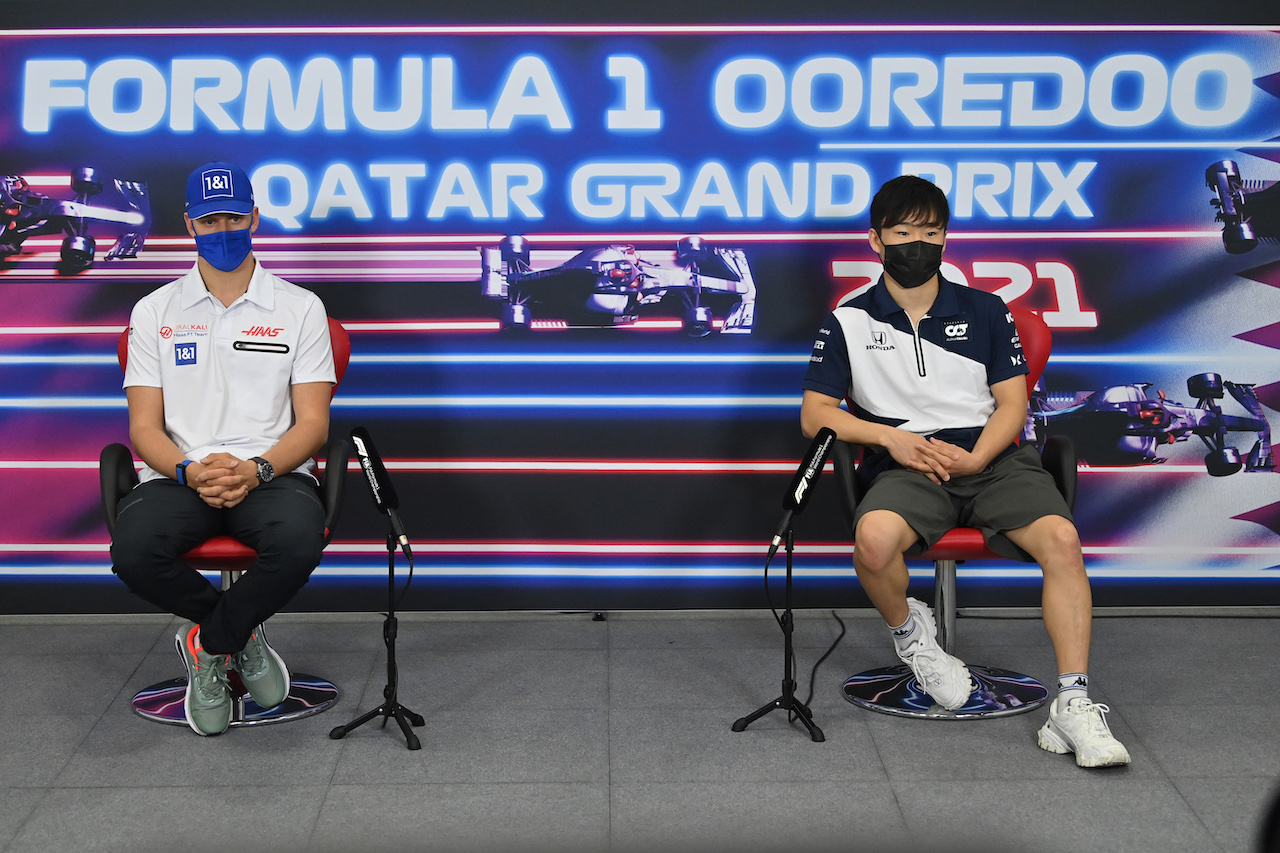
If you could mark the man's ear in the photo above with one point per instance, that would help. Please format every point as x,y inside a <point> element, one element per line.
<point>253,223</point>
<point>190,228</point>
<point>873,237</point>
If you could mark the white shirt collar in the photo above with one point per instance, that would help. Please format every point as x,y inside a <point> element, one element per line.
<point>260,292</point>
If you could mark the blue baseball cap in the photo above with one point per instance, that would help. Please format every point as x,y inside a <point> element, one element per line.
<point>218,188</point>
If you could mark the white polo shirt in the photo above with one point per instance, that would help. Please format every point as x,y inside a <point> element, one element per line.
<point>227,372</point>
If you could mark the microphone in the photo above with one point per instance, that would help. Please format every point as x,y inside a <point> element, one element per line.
<point>801,485</point>
<point>384,494</point>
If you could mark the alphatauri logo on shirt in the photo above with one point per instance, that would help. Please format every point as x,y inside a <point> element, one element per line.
<point>956,331</point>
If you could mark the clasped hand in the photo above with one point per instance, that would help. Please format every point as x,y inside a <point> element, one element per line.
<point>224,480</point>
<point>936,459</point>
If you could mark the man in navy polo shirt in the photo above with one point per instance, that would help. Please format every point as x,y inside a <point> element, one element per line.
<point>934,378</point>
<point>228,381</point>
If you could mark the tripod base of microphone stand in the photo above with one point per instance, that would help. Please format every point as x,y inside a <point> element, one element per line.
<point>789,703</point>
<point>391,709</point>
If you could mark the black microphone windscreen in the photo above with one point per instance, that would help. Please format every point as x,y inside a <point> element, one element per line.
<point>798,495</point>
<point>375,473</point>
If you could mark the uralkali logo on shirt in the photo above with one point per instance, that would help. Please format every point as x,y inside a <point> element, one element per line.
<point>187,330</point>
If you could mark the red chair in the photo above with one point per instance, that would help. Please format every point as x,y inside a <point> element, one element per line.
<point>163,702</point>
<point>999,692</point>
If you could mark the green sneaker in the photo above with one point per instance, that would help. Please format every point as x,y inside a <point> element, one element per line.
<point>262,670</point>
<point>208,701</point>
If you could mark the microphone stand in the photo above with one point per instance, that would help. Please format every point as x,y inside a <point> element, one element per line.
<point>787,700</point>
<point>391,707</point>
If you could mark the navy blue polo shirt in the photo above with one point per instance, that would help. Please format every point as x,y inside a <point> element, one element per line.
<point>934,379</point>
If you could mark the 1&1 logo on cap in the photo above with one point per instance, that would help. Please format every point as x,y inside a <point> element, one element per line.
<point>216,183</point>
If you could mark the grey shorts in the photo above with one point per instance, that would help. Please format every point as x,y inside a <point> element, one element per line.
<point>1011,493</point>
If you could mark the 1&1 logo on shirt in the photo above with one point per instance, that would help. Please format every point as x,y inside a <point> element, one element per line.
<point>184,353</point>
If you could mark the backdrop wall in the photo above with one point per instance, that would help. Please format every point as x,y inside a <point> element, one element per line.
<point>582,264</point>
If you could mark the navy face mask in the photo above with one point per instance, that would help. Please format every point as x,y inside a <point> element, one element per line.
<point>912,264</point>
<point>224,250</point>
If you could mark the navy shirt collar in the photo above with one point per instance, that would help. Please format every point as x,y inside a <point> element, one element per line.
<point>946,304</point>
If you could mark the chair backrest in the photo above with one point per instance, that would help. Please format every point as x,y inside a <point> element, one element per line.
<point>1037,341</point>
<point>339,341</point>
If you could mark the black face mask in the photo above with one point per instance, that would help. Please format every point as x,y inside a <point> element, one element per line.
<point>912,264</point>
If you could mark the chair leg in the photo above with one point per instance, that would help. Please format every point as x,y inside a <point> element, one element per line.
<point>944,603</point>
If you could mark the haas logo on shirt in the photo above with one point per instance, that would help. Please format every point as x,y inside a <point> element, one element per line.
<point>261,331</point>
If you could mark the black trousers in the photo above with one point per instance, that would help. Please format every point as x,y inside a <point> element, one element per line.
<point>160,520</point>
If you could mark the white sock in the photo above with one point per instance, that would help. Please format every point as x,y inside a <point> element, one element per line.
<point>905,634</point>
<point>1071,686</point>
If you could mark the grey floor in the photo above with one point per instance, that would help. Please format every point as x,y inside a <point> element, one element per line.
<point>560,732</point>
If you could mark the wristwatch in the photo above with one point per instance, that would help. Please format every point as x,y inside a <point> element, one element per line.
<point>266,473</point>
<point>181,473</point>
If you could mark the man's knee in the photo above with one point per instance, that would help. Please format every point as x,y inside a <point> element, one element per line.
<point>1055,543</point>
<point>129,560</point>
<point>285,527</point>
<point>880,539</point>
<point>137,549</point>
<point>1059,535</point>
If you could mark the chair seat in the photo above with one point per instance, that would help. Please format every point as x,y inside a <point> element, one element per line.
<point>960,543</point>
<point>221,554</point>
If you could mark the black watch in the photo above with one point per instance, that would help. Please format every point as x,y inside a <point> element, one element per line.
<point>266,473</point>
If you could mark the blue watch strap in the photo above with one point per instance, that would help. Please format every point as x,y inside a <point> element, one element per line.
<point>181,475</point>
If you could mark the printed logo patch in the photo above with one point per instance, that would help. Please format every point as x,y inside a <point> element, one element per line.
<point>879,341</point>
<point>956,331</point>
<point>184,353</point>
<point>216,183</point>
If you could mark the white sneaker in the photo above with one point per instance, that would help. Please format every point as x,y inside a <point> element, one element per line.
<point>944,677</point>
<point>1081,727</point>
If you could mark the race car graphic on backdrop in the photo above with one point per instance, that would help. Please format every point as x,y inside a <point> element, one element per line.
<point>1249,210</point>
<point>26,213</point>
<point>1126,424</point>
<point>708,287</point>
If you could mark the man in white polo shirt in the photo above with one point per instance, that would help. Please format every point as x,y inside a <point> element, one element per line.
<point>228,380</point>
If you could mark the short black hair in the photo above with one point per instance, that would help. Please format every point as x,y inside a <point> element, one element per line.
<point>910,199</point>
